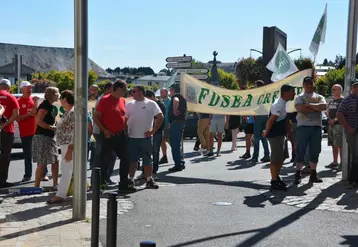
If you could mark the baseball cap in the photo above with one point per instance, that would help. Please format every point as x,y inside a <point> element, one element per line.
<point>5,82</point>
<point>308,79</point>
<point>286,88</point>
<point>354,82</point>
<point>25,84</point>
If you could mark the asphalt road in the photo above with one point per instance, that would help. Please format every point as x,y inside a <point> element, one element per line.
<point>182,212</point>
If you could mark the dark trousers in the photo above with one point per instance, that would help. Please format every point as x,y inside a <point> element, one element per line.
<point>97,156</point>
<point>117,143</point>
<point>157,141</point>
<point>7,139</point>
<point>27,148</point>
<point>176,134</point>
<point>352,141</point>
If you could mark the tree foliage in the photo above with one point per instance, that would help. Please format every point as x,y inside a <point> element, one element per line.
<point>248,70</point>
<point>141,71</point>
<point>61,79</point>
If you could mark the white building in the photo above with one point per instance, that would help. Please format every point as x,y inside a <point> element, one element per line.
<point>322,70</point>
<point>151,80</point>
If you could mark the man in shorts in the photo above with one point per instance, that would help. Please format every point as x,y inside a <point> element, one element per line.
<point>309,106</point>
<point>217,125</point>
<point>249,131</point>
<point>335,129</point>
<point>275,132</point>
<point>140,114</point>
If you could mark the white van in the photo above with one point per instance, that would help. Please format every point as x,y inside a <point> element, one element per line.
<point>17,141</point>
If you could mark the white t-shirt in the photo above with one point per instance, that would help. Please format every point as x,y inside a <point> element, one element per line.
<point>140,115</point>
<point>278,108</point>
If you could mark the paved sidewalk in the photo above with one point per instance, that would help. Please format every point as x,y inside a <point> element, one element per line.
<point>31,222</point>
<point>331,195</point>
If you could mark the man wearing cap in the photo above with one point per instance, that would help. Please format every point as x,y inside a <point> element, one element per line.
<point>309,106</point>
<point>27,126</point>
<point>7,129</point>
<point>276,129</point>
<point>347,115</point>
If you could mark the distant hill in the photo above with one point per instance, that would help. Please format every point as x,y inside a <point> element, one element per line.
<point>44,59</point>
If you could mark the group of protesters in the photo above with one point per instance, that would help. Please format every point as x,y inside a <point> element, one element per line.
<point>130,130</point>
<point>137,129</point>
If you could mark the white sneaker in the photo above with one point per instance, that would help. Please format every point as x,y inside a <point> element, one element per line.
<point>202,151</point>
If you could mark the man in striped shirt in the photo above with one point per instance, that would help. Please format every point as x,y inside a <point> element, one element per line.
<point>347,115</point>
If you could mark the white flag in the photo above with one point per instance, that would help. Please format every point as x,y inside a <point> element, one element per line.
<point>320,34</point>
<point>167,84</point>
<point>281,65</point>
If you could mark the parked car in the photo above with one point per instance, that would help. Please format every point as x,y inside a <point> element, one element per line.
<point>191,128</point>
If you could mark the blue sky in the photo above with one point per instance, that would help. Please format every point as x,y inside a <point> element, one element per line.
<point>143,33</point>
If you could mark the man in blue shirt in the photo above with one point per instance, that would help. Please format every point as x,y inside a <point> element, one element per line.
<point>164,94</point>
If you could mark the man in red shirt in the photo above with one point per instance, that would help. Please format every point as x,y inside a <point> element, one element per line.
<point>109,116</point>
<point>7,129</point>
<point>27,125</point>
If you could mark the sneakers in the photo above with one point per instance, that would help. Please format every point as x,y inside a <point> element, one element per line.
<point>163,160</point>
<point>278,185</point>
<point>175,169</point>
<point>314,178</point>
<point>26,179</point>
<point>151,184</point>
<point>332,165</point>
<point>298,177</point>
<point>209,154</point>
<point>196,148</point>
<point>266,159</point>
<point>45,178</point>
<point>254,160</point>
<point>129,188</point>
<point>245,156</point>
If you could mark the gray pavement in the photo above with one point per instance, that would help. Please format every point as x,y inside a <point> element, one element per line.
<point>184,211</point>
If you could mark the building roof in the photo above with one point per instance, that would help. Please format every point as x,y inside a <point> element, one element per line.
<point>154,78</point>
<point>44,59</point>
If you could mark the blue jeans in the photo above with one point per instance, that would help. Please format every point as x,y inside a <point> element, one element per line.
<point>27,148</point>
<point>308,136</point>
<point>175,136</point>
<point>157,141</point>
<point>259,126</point>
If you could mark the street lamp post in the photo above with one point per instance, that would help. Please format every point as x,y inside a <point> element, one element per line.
<point>81,126</point>
<point>350,69</point>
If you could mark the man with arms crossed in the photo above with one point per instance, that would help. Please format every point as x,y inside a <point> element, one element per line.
<point>309,106</point>
<point>140,114</point>
<point>276,129</point>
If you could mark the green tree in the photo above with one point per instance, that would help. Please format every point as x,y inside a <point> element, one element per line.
<point>226,80</point>
<point>248,70</point>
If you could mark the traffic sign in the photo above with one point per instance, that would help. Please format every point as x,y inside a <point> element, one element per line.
<point>193,71</point>
<point>178,65</point>
<point>199,77</point>
<point>179,59</point>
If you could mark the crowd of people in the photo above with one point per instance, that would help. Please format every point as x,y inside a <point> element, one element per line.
<point>137,129</point>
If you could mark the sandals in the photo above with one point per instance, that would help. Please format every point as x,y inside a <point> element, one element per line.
<point>55,200</point>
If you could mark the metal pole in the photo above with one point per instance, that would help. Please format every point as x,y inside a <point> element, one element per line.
<point>350,69</point>
<point>96,176</point>
<point>112,220</point>
<point>18,72</point>
<point>81,127</point>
